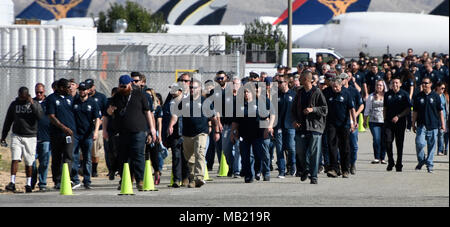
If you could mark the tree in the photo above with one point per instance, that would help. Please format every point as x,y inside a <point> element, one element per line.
<point>138,19</point>
<point>266,35</point>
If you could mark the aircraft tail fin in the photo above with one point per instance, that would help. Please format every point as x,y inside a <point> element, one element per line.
<point>49,9</point>
<point>194,12</point>
<point>442,9</point>
<point>321,11</point>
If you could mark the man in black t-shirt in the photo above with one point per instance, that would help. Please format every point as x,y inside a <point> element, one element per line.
<point>132,116</point>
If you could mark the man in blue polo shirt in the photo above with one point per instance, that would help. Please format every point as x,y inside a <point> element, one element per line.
<point>397,106</point>
<point>62,129</point>
<point>429,115</point>
<point>87,118</point>
<point>340,123</point>
<point>98,145</point>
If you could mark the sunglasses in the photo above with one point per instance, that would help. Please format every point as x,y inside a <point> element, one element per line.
<point>281,82</point>
<point>425,83</point>
<point>39,92</point>
<point>136,81</point>
<point>220,79</point>
<point>185,81</point>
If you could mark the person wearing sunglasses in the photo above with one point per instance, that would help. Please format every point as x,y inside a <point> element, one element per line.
<point>428,119</point>
<point>43,142</point>
<point>23,115</point>
<point>441,90</point>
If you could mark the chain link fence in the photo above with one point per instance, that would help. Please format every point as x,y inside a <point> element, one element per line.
<point>106,67</point>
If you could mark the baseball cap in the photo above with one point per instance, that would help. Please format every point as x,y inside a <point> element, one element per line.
<point>254,75</point>
<point>83,86</point>
<point>343,76</point>
<point>338,67</point>
<point>125,80</point>
<point>330,75</point>
<point>300,65</point>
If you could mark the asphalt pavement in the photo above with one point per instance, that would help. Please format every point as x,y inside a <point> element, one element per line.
<point>372,186</point>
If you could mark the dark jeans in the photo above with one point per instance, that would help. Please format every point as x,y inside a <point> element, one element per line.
<point>61,153</point>
<point>43,154</point>
<point>151,153</point>
<point>308,146</point>
<point>113,153</point>
<point>325,154</point>
<point>260,148</point>
<point>213,148</point>
<point>338,142</point>
<point>132,149</point>
<point>86,146</point>
<point>180,169</point>
<point>397,132</point>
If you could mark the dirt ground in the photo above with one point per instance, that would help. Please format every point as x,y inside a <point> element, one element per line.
<point>5,175</point>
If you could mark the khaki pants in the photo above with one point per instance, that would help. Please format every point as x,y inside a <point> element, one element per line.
<point>97,148</point>
<point>194,151</point>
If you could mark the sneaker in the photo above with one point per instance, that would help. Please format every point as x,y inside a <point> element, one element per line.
<point>440,154</point>
<point>185,182</point>
<point>266,178</point>
<point>418,168</point>
<point>321,169</point>
<point>258,177</point>
<point>11,187</point>
<point>332,173</point>
<point>383,162</point>
<point>43,189</point>
<point>314,181</point>
<point>76,186</point>
<point>237,176</point>
<point>28,189</point>
<point>111,176</point>
<point>430,171</point>
<point>199,183</point>
<point>376,161</point>
<point>345,175</point>
<point>353,169</point>
<point>293,172</point>
<point>157,179</point>
<point>281,176</point>
<point>191,184</point>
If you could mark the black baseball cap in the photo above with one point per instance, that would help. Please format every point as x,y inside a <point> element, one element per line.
<point>89,83</point>
<point>83,86</point>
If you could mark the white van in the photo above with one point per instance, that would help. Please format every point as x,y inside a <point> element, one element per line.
<point>307,54</point>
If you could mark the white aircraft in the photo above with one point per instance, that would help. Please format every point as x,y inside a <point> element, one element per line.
<point>378,33</point>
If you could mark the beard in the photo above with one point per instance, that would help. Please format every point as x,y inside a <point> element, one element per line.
<point>126,91</point>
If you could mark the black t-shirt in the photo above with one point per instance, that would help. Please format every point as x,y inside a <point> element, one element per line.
<point>372,79</point>
<point>249,125</point>
<point>196,122</point>
<point>85,114</point>
<point>130,113</point>
<point>62,108</point>
<point>339,105</point>
<point>228,103</point>
<point>428,108</point>
<point>395,104</point>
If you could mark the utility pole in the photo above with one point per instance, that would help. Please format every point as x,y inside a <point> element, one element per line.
<point>289,55</point>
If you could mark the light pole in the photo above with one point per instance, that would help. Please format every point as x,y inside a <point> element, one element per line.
<point>289,55</point>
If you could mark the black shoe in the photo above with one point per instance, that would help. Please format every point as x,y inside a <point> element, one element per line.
<point>87,187</point>
<point>314,181</point>
<point>418,168</point>
<point>248,180</point>
<point>267,178</point>
<point>258,177</point>
<point>28,189</point>
<point>111,176</point>
<point>303,177</point>
<point>42,189</point>
<point>175,185</point>
<point>332,173</point>
<point>399,168</point>
<point>11,187</point>
<point>390,168</point>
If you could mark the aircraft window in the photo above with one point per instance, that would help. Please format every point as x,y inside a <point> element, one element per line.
<point>300,57</point>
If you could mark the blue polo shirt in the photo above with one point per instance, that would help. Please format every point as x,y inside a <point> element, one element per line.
<point>360,78</point>
<point>249,125</point>
<point>102,102</point>
<point>371,80</point>
<point>62,108</point>
<point>43,124</point>
<point>85,115</point>
<point>395,104</point>
<point>285,103</point>
<point>428,108</point>
<point>193,125</point>
<point>339,105</point>
<point>435,77</point>
<point>355,96</point>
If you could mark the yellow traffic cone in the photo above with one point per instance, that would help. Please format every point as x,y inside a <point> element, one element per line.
<point>149,184</point>
<point>126,187</point>
<point>206,177</point>
<point>66,187</point>
<point>361,124</point>
<point>223,171</point>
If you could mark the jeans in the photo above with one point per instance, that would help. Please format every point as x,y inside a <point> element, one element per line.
<point>43,154</point>
<point>85,145</point>
<point>446,142</point>
<point>285,140</point>
<point>325,154</point>
<point>353,147</point>
<point>260,149</point>
<point>132,151</point>
<point>379,150</point>
<point>309,146</point>
<point>441,141</point>
<point>180,169</point>
<point>426,138</point>
<point>231,150</point>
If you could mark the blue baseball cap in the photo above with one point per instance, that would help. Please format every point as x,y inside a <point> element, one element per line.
<point>125,80</point>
